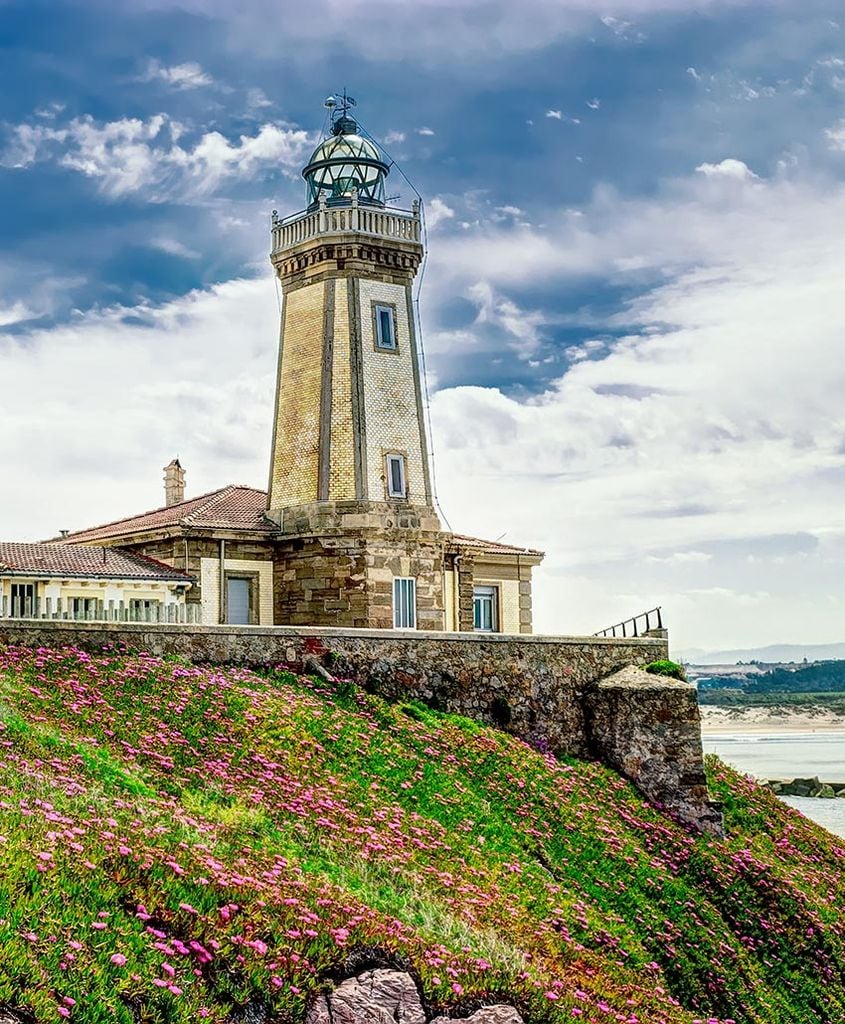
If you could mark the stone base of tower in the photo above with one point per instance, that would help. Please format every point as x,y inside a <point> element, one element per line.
<point>335,563</point>
<point>346,579</point>
<point>327,517</point>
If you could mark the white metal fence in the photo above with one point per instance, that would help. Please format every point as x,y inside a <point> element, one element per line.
<point>94,610</point>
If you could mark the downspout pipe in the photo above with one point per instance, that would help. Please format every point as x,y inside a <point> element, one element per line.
<point>456,593</point>
<point>222,616</point>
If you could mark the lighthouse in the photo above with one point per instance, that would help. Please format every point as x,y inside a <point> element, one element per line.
<point>350,475</point>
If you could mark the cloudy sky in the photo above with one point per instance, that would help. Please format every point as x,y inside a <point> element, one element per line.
<point>633,307</point>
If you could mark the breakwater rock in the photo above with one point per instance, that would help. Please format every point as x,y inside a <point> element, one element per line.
<point>807,787</point>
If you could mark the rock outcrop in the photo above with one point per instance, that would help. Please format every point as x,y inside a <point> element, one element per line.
<point>499,1014</point>
<point>385,996</point>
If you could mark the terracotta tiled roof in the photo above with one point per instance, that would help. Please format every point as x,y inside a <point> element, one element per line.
<point>493,547</point>
<point>53,559</point>
<point>236,508</point>
<point>229,508</point>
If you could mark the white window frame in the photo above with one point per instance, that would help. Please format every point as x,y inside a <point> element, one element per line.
<point>404,602</point>
<point>486,593</point>
<point>391,459</point>
<point>391,344</point>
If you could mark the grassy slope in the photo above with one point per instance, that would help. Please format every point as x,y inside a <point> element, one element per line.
<point>176,841</point>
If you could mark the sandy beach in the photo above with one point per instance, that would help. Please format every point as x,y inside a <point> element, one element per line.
<point>716,721</point>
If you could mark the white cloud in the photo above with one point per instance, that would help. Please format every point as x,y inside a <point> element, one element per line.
<point>121,391</point>
<point>392,138</point>
<point>16,313</point>
<point>180,76</point>
<point>521,327</point>
<point>436,211</point>
<point>558,115</point>
<point>622,29</point>
<point>173,247</point>
<point>437,30</point>
<point>425,131</point>
<point>130,155</point>
<point>729,168</point>
<point>257,99</point>
<point>836,136</point>
<point>681,558</point>
<point>712,415</point>
<point>594,103</point>
<point>50,111</point>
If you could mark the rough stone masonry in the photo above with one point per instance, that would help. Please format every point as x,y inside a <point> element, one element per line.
<point>581,696</point>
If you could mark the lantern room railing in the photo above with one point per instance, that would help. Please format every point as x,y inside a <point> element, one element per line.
<point>378,222</point>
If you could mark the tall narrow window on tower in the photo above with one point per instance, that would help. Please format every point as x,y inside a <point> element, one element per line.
<point>396,487</point>
<point>385,327</point>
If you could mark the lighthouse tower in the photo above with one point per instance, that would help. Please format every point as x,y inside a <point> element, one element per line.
<point>350,485</point>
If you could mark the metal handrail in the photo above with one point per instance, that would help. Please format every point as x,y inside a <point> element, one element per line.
<point>633,623</point>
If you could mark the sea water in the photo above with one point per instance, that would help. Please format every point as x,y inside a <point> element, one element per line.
<point>787,756</point>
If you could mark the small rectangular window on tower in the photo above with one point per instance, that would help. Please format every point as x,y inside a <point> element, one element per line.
<point>396,476</point>
<point>404,602</point>
<point>385,327</point>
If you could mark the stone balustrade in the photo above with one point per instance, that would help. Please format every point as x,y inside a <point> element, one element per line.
<point>377,222</point>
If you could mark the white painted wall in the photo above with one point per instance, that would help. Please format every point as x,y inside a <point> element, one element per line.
<point>449,599</point>
<point>107,591</point>
<point>210,583</point>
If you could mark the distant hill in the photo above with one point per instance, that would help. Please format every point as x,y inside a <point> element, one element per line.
<point>814,683</point>
<point>773,654</point>
<point>817,677</point>
<point>181,843</point>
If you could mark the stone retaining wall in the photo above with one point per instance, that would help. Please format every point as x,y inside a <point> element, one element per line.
<point>546,690</point>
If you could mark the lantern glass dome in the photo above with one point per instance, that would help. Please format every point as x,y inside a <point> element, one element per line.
<point>344,162</point>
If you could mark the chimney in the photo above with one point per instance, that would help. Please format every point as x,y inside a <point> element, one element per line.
<point>174,483</point>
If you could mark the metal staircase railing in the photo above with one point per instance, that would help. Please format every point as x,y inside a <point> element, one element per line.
<point>631,627</point>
